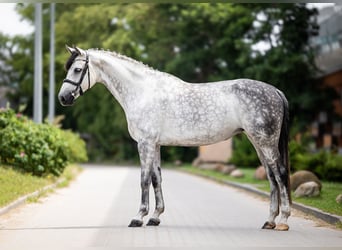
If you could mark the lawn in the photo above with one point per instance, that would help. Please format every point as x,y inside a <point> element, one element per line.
<point>325,202</point>
<point>14,184</point>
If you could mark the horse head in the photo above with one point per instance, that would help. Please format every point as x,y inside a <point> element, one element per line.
<point>78,79</point>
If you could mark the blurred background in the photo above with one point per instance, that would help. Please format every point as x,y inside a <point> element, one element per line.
<point>295,47</point>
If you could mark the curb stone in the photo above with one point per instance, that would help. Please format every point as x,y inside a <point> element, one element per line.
<point>23,199</point>
<point>327,217</point>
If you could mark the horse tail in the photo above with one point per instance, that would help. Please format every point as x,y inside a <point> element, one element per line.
<point>284,143</point>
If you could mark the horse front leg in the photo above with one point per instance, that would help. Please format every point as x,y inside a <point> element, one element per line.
<point>147,156</point>
<point>156,183</point>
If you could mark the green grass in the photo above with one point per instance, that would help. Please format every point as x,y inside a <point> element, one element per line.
<point>327,199</point>
<point>325,202</point>
<point>14,184</point>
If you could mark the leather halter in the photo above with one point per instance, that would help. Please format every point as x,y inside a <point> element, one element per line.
<point>84,71</point>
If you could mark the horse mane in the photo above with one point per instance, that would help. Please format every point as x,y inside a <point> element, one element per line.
<point>135,62</point>
<point>71,60</point>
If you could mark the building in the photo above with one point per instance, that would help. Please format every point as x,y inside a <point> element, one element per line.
<point>327,128</point>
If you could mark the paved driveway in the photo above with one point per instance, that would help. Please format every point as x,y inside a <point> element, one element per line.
<point>96,209</point>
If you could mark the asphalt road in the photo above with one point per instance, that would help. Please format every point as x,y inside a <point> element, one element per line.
<point>95,210</point>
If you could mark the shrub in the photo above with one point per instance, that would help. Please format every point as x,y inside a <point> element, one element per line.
<point>326,165</point>
<point>76,147</point>
<point>39,149</point>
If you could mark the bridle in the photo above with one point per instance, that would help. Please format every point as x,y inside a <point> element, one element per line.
<point>84,71</point>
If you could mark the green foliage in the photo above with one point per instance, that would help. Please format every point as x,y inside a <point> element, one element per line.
<point>326,165</point>
<point>75,146</point>
<point>197,42</point>
<point>39,149</point>
<point>244,154</point>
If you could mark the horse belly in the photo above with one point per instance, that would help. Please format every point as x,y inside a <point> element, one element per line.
<point>193,139</point>
<point>194,132</point>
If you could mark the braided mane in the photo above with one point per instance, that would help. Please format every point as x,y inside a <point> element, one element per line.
<point>135,62</point>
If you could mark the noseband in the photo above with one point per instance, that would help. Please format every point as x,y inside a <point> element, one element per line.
<point>84,71</point>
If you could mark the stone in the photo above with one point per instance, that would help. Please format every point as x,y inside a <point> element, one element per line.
<point>219,167</point>
<point>339,199</point>
<point>224,169</point>
<point>207,166</point>
<point>227,169</point>
<point>178,163</point>
<point>301,177</point>
<point>307,189</point>
<point>237,173</point>
<point>196,162</point>
<point>260,173</point>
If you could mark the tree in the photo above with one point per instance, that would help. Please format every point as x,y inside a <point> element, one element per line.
<point>196,42</point>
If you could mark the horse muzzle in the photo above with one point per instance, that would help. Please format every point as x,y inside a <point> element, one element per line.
<point>66,99</point>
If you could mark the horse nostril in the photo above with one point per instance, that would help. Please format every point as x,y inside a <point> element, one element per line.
<point>62,99</point>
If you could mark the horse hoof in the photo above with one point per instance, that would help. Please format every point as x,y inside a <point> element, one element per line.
<point>136,223</point>
<point>153,222</point>
<point>269,225</point>
<point>282,227</point>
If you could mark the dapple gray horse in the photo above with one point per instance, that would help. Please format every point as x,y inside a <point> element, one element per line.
<point>161,109</point>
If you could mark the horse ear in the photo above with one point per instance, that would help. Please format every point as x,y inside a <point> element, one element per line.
<point>79,51</point>
<point>71,50</point>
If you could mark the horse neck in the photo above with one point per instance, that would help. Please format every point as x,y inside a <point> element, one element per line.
<point>120,76</point>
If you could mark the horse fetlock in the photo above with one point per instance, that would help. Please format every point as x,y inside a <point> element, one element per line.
<point>143,211</point>
<point>160,208</point>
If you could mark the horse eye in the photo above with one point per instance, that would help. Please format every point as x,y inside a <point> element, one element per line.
<point>77,70</point>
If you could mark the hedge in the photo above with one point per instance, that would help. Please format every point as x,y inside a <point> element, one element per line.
<point>326,165</point>
<point>40,149</point>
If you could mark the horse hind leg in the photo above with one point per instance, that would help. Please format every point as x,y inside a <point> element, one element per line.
<point>285,205</point>
<point>274,200</point>
<point>278,177</point>
<point>274,191</point>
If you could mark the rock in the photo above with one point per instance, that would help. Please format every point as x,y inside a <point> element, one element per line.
<point>301,177</point>
<point>196,162</point>
<point>208,166</point>
<point>260,173</point>
<point>178,163</point>
<point>224,169</point>
<point>339,199</point>
<point>227,169</point>
<point>237,173</point>
<point>307,189</point>
<point>219,167</point>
